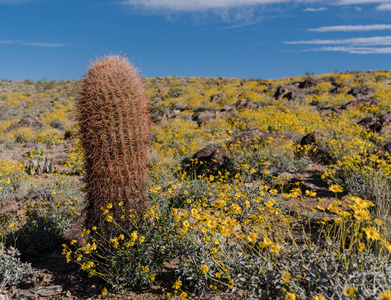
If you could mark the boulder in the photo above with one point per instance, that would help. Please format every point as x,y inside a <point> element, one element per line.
<point>360,92</point>
<point>288,92</point>
<point>244,103</point>
<point>370,123</point>
<point>356,103</point>
<point>33,122</point>
<point>309,82</point>
<point>208,160</point>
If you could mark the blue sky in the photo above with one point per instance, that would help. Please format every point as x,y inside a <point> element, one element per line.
<point>56,39</point>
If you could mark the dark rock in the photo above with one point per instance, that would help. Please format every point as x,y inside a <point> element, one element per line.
<point>356,103</point>
<point>33,122</point>
<point>216,98</point>
<point>309,82</point>
<point>360,92</point>
<point>207,160</point>
<point>288,92</point>
<point>203,116</point>
<point>244,103</point>
<point>370,123</point>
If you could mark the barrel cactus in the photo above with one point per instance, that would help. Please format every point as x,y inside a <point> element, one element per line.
<point>113,117</point>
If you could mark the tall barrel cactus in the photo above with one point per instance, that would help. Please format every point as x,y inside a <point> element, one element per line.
<point>114,121</point>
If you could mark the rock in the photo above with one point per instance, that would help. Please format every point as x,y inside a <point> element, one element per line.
<point>203,116</point>
<point>385,120</point>
<point>216,98</point>
<point>244,103</point>
<point>310,138</point>
<point>360,92</point>
<point>3,297</point>
<point>309,82</point>
<point>33,122</point>
<point>42,292</point>
<point>207,160</point>
<point>370,123</point>
<point>315,149</point>
<point>288,92</point>
<point>352,104</point>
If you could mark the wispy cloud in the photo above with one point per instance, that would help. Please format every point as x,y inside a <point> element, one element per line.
<point>384,6</point>
<point>34,44</point>
<point>352,28</point>
<point>197,5</point>
<point>352,2</point>
<point>365,41</point>
<point>310,9</point>
<point>356,50</point>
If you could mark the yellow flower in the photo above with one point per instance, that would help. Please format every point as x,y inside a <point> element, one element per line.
<point>133,236</point>
<point>217,274</point>
<point>120,204</point>
<point>335,188</point>
<point>104,292</point>
<point>152,277</point>
<point>109,206</point>
<point>349,291</point>
<point>12,225</point>
<point>388,245</point>
<point>275,248</point>
<point>270,203</point>
<point>273,191</point>
<point>378,222</point>
<point>372,233</point>
<point>177,284</point>
<point>319,297</point>
<point>252,237</point>
<point>386,295</point>
<point>109,219</point>
<point>361,247</point>
<point>145,269</point>
<point>93,228</point>
<point>362,215</point>
<point>141,239</point>
<point>290,296</point>
<point>285,277</point>
<point>204,269</point>
<point>186,223</point>
<point>183,295</point>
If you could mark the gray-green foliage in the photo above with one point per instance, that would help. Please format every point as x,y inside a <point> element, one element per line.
<point>12,270</point>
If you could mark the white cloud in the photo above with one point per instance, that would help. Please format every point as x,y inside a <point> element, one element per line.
<point>35,44</point>
<point>384,6</point>
<point>351,2</point>
<point>352,28</point>
<point>199,5</point>
<point>315,9</point>
<point>356,50</point>
<point>367,41</point>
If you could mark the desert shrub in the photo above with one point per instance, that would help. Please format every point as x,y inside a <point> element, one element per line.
<point>12,175</point>
<point>12,270</point>
<point>40,227</point>
<point>135,256</point>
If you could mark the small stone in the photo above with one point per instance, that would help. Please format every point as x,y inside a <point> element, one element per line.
<point>49,291</point>
<point>25,295</point>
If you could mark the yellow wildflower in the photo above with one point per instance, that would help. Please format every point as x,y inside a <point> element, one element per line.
<point>177,284</point>
<point>290,296</point>
<point>386,295</point>
<point>204,269</point>
<point>372,233</point>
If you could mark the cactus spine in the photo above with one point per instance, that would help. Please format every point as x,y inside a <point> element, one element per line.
<point>114,121</point>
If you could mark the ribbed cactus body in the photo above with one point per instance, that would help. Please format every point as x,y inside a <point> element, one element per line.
<point>114,121</point>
